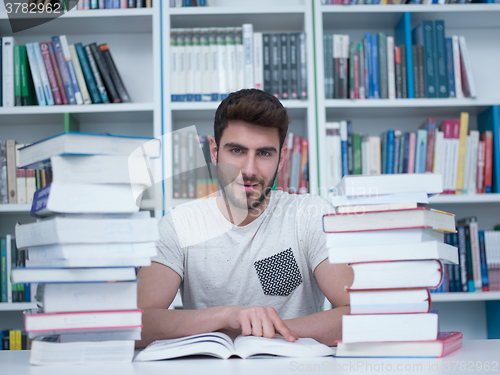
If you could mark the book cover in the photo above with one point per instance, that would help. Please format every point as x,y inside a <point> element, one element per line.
<point>87,73</point>
<point>17,76</point>
<point>285,67</point>
<point>423,34</point>
<point>63,67</point>
<point>302,64</point>
<point>35,73</point>
<point>106,77</point>
<point>266,50</point>
<point>79,75</point>
<point>56,94</point>
<point>258,63</point>
<point>8,99</point>
<point>382,65</point>
<point>275,49</point>
<point>457,67</point>
<point>464,129</point>
<point>221,62</point>
<point>450,68</point>
<point>47,89</point>
<point>403,37</point>
<point>440,59</point>
<point>113,71</point>
<point>391,75</point>
<point>375,67</point>
<point>57,72</point>
<point>248,54</point>
<point>489,120</point>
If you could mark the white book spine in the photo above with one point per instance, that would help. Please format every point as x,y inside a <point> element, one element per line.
<point>79,75</point>
<point>214,63</point>
<point>456,67</point>
<point>174,73</point>
<point>474,145</point>
<point>467,66</point>
<point>30,185</point>
<point>181,65</point>
<point>455,148</point>
<point>390,68</point>
<point>375,156</point>
<point>447,164</point>
<point>7,71</point>
<point>37,81</point>
<point>188,41</point>
<point>467,166</point>
<point>248,46</point>
<point>231,59</point>
<point>206,68</point>
<point>197,64</point>
<point>71,69</point>
<point>365,156</point>
<point>240,59</point>
<point>222,62</point>
<point>258,67</point>
<point>43,74</point>
<point>8,253</point>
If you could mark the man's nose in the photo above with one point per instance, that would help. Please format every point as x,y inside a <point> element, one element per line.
<point>249,166</point>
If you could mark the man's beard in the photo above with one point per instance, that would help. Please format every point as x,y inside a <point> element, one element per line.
<point>243,200</point>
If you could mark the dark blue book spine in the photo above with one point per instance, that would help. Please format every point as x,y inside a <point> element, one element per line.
<point>390,152</point>
<point>470,270</point>
<point>462,253</point>
<point>375,77</point>
<point>440,59</point>
<point>396,154</point>
<point>429,58</point>
<point>202,3</point>
<point>456,268</point>
<point>490,120</point>
<point>450,68</point>
<point>68,86</point>
<point>345,164</point>
<point>406,157</point>
<point>484,265</point>
<point>187,3</point>
<point>87,73</point>
<point>369,63</point>
<point>403,37</point>
<point>27,292</point>
<point>40,199</point>
<point>108,4</point>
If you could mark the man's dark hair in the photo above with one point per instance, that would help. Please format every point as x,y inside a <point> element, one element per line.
<point>255,107</point>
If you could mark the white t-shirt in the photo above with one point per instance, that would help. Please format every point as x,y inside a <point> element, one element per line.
<point>269,262</point>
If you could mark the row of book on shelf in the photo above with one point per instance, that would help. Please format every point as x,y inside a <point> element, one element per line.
<point>18,185</point>
<point>479,254</point>
<point>463,157</point>
<point>209,63</point>
<point>14,339</point>
<point>376,68</point>
<point>56,73</point>
<point>402,2</point>
<point>189,3</point>
<point>396,252</point>
<point>112,4</point>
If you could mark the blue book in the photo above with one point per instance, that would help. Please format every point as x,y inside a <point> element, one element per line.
<point>462,256</point>
<point>187,3</point>
<point>450,68</point>
<point>375,76</point>
<point>390,152</point>
<point>489,120</point>
<point>403,36</point>
<point>369,62</point>
<point>61,62</point>
<point>27,292</point>
<point>384,152</point>
<point>116,4</point>
<point>402,143</point>
<point>456,267</point>
<point>440,58</point>
<point>423,34</point>
<point>421,153</point>
<point>343,146</point>
<point>451,281</point>
<point>484,266</point>
<point>397,141</point>
<point>108,4</point>
<point>202,3</point>
<point>87,73</point>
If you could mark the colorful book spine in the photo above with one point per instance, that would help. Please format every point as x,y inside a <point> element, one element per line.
<point>117,80</point>
<point>95,72</point>
<point>450,68</point>
<point>106,77</point>
<point>57,72</point>
<point>375,66</point>
<point>35,73</point>
<point>63,67</point>
<point>440,64</point>
<point>464,129</point>
<point>56,94</point>
<point>43,74</point>
<point>304,172</point>
<point>79,75</point>
<point>87,73</point>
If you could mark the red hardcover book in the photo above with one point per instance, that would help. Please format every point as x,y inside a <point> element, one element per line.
<point>57,73</point>
<point>304,171</point>
<point>487,138</point>
<point>480,167</point>
<point>445,343</point>
<point>44,47</point>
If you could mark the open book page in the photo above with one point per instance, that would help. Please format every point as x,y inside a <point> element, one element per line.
<point>247,346</point>
<point>213,344</point>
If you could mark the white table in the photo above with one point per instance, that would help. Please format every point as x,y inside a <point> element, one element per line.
<point>470,356</point>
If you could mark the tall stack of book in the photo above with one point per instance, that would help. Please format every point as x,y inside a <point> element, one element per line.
<point>395,248</point>
<point>85,246</point>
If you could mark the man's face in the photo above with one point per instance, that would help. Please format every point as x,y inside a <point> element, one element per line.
<point>254,151</point>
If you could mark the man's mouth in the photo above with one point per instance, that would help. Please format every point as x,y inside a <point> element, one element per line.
<point>249,186</point>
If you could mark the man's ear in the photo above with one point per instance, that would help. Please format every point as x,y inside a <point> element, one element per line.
<point>213,151</point>
<point>283,153</point>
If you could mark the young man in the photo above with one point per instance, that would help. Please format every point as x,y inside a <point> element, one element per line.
<point>251,261</point>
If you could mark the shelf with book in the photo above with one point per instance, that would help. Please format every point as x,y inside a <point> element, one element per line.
<point>17,306</point>
<point>462,297</point>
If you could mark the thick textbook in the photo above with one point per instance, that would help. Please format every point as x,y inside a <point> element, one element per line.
<point>397,274</point>
<point>87,230</point>
<point>36,155</point>
<point>58,275</point>
<point>72,321</point>
<point>420,217</point>
<point>77,353</point>
<point>445,343</point>
<point>220,345</point>
<point>357,185</point>
<point>389,327</point>
<point>395,301</point>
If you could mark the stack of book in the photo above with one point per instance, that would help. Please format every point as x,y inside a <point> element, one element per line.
<point>385,67</point>
<point>395,248</point>
<point>466,158</point>
<point>85,246</point>
<point>209,63</point>
<point>57,73</point>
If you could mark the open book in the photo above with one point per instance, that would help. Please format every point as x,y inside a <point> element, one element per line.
<point>220,345</point>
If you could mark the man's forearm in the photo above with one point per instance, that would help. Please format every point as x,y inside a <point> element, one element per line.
<point>325,326</point>
<point>161,324</point>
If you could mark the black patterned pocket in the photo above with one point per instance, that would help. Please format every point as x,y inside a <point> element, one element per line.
<point>279,274</point>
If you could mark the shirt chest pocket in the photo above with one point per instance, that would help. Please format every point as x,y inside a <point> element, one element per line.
<point>279,274</point>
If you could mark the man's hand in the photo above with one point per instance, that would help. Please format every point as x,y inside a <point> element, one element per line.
<point>258,321</point>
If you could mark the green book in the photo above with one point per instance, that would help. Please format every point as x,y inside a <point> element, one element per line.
<point>24,76</point>
<point>17,76</point>
<point>382,65</point>
<point>356,154</point>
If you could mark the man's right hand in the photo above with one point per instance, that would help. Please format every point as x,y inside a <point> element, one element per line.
<point>258,321</point>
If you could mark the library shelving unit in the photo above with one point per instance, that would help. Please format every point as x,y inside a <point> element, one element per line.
<point>472,313</point>
<point>271,16</point>
<point>133,36</point>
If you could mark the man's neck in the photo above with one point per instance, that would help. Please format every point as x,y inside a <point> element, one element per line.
<point>238,216</point>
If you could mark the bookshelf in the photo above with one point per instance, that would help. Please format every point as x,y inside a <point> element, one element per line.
<point>473,313</point>
<point>266,16</point>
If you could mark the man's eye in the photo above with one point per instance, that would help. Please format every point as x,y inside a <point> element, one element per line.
<point>236,151</point>
<point>265,153</point>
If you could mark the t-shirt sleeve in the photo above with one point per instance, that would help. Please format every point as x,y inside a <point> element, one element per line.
<point>169,249</point>
<point>315,237</point>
